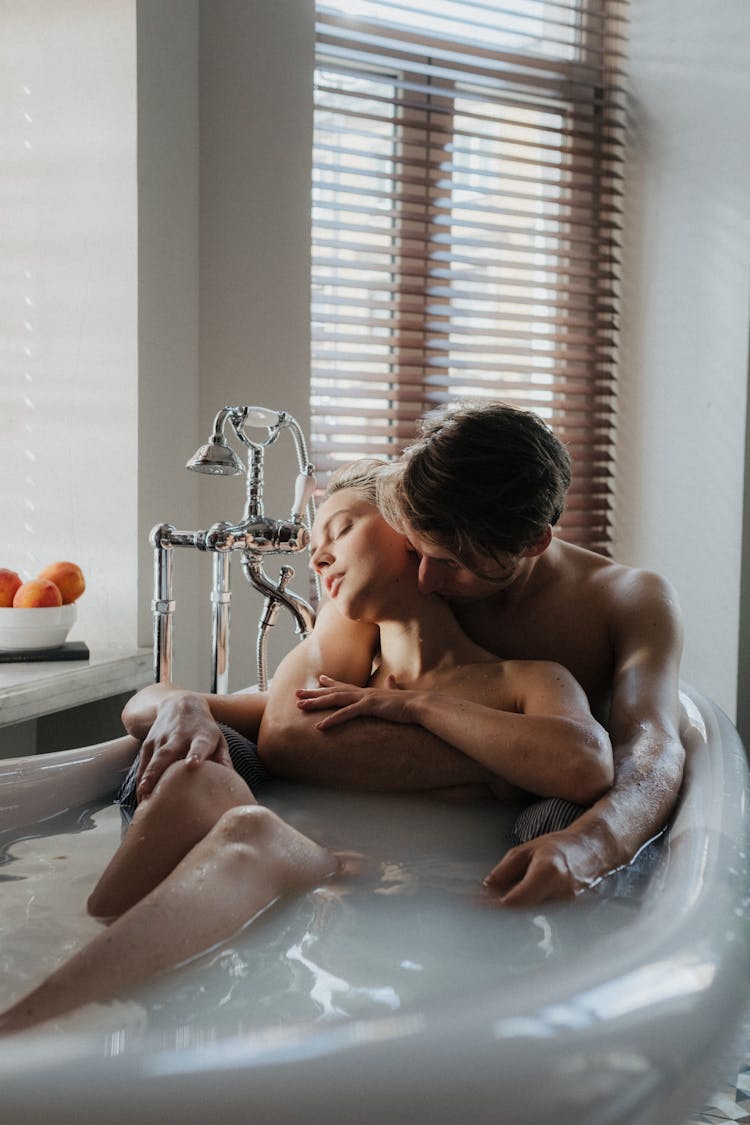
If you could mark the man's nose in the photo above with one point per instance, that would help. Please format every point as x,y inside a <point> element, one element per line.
<point>428,576</point>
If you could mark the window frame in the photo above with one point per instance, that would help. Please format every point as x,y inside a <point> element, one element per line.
<point>582,317</point>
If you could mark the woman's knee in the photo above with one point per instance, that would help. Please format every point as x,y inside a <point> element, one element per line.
<point>188,790</point>
<point>208,777</point>
<point>255,833</point>
<point>249,824</point>
<point>172,786</point>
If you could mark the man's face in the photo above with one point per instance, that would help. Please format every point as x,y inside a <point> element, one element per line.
<point>441,572</point>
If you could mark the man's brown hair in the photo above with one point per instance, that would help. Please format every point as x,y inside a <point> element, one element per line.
<point>483,479</point>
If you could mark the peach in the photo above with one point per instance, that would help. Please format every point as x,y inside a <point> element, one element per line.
<point>9,583</point>
<point>37,593</point>
<point>67,577</point>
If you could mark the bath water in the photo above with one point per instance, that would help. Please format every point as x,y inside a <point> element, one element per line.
<point>411,926</point>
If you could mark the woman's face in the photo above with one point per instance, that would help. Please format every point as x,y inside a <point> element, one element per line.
<point>362,561</point>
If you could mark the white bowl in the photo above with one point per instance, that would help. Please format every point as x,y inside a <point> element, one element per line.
<point>30,629</point>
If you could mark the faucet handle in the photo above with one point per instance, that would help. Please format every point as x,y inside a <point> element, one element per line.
<point>285,575</point>
<point>304,486</point>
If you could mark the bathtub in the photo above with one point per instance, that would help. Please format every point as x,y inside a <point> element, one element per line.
<point>403,993</point>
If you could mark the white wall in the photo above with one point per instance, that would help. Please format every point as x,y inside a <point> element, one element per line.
<point>743,677</point>
<point>256,66</point>
<point>168,312</point>
<point>225,136</point>
<point>681,420</point>
<point>68,300</point>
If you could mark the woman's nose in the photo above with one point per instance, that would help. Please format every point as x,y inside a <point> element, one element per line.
<point>318,559</point>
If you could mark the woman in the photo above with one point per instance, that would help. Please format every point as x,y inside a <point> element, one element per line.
<point>202,838</point>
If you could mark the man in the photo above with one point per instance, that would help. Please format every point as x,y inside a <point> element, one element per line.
<point>478,496</point>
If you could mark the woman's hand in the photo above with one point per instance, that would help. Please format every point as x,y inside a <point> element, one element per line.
<point>183,728</point>
<point>352,702</point>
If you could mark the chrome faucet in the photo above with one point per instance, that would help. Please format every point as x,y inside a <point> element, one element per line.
<point>255,537</point>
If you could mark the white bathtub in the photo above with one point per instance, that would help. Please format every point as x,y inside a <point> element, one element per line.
<point>403,996</point>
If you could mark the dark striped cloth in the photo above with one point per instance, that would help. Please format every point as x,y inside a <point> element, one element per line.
<point>244,755</point>
<point>551,815</point>
<point>242,751</point>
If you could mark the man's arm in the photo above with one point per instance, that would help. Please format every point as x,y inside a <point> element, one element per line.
<point>172,723</point>
<point>368,753</point>
<point>648,755</point>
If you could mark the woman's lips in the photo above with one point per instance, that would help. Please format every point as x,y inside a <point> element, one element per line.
<point>333,581</point>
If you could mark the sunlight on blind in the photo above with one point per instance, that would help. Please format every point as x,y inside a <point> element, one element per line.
<point>465,218</point>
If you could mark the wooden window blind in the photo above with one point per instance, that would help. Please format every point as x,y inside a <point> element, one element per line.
<point>466,219</point>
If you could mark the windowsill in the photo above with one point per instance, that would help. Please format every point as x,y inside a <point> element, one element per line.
<point>28,691</point>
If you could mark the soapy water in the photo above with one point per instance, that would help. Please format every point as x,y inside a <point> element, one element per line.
<point>411,925</point>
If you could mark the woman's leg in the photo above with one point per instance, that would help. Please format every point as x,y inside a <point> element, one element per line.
<point>183,808</point>
<point>249,859</point>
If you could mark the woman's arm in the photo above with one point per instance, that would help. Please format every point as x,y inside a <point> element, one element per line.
<point>548,744</point>
<point>369,753</point>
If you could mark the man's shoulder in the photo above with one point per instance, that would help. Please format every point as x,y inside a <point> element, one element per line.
<point>576,572</point>
<point>569,556</point>
<point>614,592</point>
<point>628,598</point>
<point>579,562</point>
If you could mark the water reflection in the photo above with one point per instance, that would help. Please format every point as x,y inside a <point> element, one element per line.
<point>406,922</point>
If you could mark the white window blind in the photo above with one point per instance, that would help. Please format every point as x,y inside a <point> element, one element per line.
<point>466,217</point>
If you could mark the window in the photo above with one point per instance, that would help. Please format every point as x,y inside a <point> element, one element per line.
<point>466,192</point>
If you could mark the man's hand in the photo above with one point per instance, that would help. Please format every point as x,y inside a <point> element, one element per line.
<point>353,702</point>
<point>183,728</point>
<point>556,866</point>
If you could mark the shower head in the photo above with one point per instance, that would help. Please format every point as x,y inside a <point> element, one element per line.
<point>216,458</point>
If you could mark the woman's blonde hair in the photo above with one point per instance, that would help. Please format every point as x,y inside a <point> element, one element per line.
<point>361,475</point>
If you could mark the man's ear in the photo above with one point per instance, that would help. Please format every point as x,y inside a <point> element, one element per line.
<point>539,547</point>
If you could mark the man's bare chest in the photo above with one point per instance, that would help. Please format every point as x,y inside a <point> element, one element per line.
<point>573,634</point>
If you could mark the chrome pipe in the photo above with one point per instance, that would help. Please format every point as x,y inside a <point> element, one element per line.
<point>271,608</point>
<point>276,596</point>
<point>254,484</point>
<point>261,536</point>
<point>163,605</point>
<point>220,599</point>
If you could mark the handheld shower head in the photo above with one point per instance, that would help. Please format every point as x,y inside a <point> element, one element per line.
<point>216,458</point>
<point>262,416</point>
